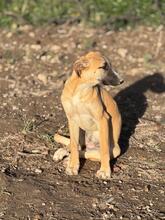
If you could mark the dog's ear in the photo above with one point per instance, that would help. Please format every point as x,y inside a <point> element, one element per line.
<point>80,65</point>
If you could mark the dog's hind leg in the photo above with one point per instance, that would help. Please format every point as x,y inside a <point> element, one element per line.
<point>93,155</point>
<point>62,139</point>
<point>63,152</point>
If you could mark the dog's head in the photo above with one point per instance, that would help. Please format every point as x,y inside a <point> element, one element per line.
<point>96,68</point>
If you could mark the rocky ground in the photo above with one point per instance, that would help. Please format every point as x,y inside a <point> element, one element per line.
<point>34,63</point>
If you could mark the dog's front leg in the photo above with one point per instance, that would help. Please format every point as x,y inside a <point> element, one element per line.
<point>105,171</point>
<point>73,163</point>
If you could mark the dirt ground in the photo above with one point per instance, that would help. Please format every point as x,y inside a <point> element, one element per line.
<point>34,63</point>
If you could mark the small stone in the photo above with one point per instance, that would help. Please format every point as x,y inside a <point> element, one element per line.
<point>140,60</point>
<point>54,60</point>
<point>94,205</point>
<point>38,217</point>
<point>55,48</point>
<point>25,28</point>
<point>38,171</point>
<point>54,73</point>
<point>104,46</point>
<point>147,188</point>
<point>9,34</point>
<point>109,200</point>
<point>36,151</point>
<point>36,47</point>
<point>48,57</point>
<point>15,107</point>
<point>43,78</point>
<point>131,58</point>
<point>32,34</point>
<point>105,216</point>
<point>6,69</point>
<point>122,52</point>
<point>44,58</point>
<point>2,214</point>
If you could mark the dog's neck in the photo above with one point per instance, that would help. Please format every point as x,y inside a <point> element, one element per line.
<point>74,82</point>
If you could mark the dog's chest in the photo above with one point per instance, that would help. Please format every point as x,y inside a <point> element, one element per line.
<point>82,115</point>
<point>78,108</point>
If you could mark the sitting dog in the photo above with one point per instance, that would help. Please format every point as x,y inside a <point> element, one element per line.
<point>93,116</point>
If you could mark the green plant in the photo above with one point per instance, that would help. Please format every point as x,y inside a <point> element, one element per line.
<point>47,137</point>
<point>116,13</point>
<point>28,126</point>
<point>147,57</point>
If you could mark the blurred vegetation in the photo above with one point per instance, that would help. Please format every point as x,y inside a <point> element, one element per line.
<point>113,13</point>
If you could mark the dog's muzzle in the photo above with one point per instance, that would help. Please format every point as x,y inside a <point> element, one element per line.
<point>113,79</point>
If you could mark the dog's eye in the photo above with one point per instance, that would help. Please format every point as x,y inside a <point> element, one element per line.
<point>105,66</point>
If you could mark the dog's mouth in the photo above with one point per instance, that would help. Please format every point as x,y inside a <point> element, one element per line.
<point>112,78</point>
<point>112,81</point>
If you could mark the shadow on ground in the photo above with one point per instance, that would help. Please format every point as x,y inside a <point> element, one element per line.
<point>132,104</point>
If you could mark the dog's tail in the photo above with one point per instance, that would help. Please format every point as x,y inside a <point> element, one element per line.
<point>62,139</point>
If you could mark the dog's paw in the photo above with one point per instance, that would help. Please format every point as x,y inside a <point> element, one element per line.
<point>72,169</point>
<point>103,174</point>
<point>60,154</point>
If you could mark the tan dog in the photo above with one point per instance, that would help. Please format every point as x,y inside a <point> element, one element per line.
<point>93,116</point>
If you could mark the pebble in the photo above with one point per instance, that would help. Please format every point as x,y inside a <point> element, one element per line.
<point>54,73</point>
<point>38,171</point>
<point>55,48</point>
<point>25,27</point>
<point>122,52</point>
<point>2,214</point>
<point>46,58</point>
<point>55,60</point>
<point>104,46</point>
<point>35,47</point>
<point>105,216</point>
<point>32,34</point>
<point>94,205</point>
<point>105,182</point>
<point>38,217</point>
<point>147,188</point>
<point>6,69</point>
<point>15,107</point>
<point>43,78</point>
<point>9,34</point>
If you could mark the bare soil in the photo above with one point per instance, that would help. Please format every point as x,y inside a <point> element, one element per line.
<point>34,63</point>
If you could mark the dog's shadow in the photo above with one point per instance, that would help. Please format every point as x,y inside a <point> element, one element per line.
<point>132,104</point>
